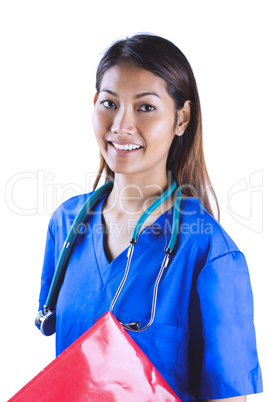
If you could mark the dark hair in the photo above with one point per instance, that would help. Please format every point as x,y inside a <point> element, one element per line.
<point>162,58</point>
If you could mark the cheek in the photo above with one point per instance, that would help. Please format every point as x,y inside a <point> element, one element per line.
<point>96,122</point>
<point>151,126</point>
<point>158,129</point>
<point>99,125</point>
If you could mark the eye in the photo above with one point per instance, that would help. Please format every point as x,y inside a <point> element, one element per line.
<point>108,104</point>
<point>146,107</point>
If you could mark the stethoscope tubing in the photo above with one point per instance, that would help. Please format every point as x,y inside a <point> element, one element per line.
<point>93,199</point>
<point>69,242</point>
<point>135,326</point>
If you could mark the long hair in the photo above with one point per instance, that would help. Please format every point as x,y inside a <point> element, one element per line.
<point>186,156</point>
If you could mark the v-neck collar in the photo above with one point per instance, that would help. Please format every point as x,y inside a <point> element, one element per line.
<point>155,236</point>
<point>158,232</point>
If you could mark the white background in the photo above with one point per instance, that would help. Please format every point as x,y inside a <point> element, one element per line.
<point>49,53</point>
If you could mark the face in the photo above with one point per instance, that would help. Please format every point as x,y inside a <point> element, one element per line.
<point>133,120</point>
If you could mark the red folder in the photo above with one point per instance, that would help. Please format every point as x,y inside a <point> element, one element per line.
<point>104,364</point>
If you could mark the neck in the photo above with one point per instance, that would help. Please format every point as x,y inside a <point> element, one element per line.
<point>132,195</point>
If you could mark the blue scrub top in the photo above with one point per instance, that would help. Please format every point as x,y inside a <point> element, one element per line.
<point>202,340</point>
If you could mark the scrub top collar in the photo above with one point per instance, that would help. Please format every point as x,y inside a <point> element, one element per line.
<point>159,231</point>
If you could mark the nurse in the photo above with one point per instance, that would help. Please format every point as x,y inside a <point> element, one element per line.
<point>147,122</point>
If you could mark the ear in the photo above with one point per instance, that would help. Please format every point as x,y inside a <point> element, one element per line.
<point>183,118</point>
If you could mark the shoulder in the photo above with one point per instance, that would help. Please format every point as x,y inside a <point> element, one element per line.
<point>199,228</point>
<point>64,215</point>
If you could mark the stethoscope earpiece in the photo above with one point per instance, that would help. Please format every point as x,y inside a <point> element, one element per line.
<point>133,326</point>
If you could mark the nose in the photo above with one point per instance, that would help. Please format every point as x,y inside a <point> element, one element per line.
<point>124,122</point>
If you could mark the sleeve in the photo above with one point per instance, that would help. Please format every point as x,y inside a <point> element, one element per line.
<point>48,267</point>
<point>230,364</point>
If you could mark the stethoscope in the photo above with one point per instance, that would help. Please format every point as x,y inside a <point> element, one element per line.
<point>46,318</point>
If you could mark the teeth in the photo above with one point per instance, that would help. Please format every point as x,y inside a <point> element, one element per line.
<point>127,147</point>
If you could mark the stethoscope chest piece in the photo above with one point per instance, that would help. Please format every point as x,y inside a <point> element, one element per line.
<point>46,323</point>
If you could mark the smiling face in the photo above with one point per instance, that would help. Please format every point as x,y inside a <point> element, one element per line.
<point>134,122</point>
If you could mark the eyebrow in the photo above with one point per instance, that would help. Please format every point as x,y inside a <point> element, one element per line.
<point>138,96</point>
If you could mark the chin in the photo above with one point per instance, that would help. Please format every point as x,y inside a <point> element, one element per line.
<point>121,170</point>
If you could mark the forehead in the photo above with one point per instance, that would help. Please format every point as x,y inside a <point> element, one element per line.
<point>132,77</point>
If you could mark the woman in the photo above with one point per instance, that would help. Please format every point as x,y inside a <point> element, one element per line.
<point>147,122</point>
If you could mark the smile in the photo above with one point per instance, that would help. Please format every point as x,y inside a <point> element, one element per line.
<point>126,147</point>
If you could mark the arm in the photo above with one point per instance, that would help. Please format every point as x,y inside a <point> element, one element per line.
<point>226,307</point>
